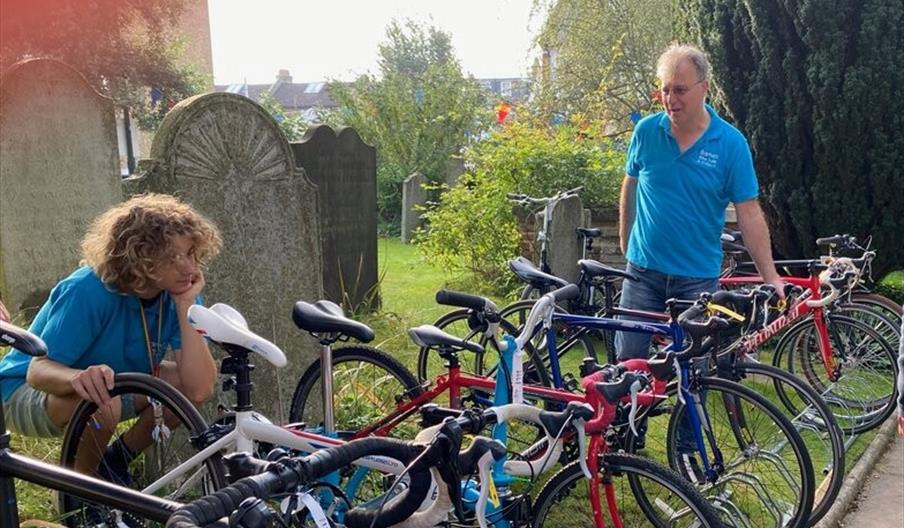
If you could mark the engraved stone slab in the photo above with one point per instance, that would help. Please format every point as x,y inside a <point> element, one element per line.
<point>226,156</point>
<point>59,169</point>
<point>413,196</point>
<point>344,169</point>
<point>565,245</point>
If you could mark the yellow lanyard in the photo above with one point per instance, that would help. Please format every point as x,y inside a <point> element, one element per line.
<point>152,362</point>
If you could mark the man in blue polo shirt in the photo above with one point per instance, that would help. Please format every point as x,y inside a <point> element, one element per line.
<point>684,166</point>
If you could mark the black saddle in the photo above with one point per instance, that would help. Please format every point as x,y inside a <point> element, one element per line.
<point>589,232</point>
<point>327,317</point>
<point>22,340</point>
<point>594,268</point>
<point>431,336</point>
<point>527,272</point>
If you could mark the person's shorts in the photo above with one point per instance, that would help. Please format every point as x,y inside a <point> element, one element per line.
<point>26,412</point>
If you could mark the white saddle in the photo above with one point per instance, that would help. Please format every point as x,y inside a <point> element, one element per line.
<point>222,324</point>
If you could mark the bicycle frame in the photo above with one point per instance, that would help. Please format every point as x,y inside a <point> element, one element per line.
<point>808,304</point>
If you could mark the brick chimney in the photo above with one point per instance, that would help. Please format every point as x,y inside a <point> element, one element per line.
<point>284,77</point>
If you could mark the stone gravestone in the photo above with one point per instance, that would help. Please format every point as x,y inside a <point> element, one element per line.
<point>59,168</point>
<point>413,196</point>
<point>565,245</point>
<point>456,169</point>
<point>344,169</point>
<point>226,156</point>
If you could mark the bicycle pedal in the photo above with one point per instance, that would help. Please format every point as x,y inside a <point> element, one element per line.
<point>569,383</point>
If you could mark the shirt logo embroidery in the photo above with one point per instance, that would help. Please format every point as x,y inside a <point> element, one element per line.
<point>707,159</point>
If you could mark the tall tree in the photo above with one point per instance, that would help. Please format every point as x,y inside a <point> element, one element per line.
<point>816,87</point>
<point>126,48</point>
<point>418,111</point>
<point>600,57</point>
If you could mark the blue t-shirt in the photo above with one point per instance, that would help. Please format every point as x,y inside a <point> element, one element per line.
<point>85,322</point>
<point>681,196</point>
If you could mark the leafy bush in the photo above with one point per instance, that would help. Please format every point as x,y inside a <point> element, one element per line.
<point>473,231</point>
<point>473,228</point>
<point>892,286</point>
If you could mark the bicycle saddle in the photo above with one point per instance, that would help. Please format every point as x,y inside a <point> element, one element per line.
<point>589,232</point>
<point>431,336</point>
<point>22,340</point>
<point>527,272</point>
<point>594,268</point>
<point>222,324</point>
<point>327,317</point>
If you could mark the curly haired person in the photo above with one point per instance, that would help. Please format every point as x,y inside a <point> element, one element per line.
<point>124,310</point>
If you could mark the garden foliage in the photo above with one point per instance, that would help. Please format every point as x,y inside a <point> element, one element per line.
<point>473,228</point>
<point>418,112</point>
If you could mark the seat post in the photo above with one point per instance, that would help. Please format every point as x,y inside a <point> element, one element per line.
<point>326,387</point>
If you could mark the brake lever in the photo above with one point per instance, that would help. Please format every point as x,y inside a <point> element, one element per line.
<point>582,447</point>
<point>449,470</point>
<point>632,414</point>
<point>487,485</point>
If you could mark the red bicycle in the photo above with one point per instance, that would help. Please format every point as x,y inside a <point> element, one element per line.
<point>846,360</point>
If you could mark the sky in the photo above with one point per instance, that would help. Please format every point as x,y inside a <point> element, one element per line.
<point>337,39</point>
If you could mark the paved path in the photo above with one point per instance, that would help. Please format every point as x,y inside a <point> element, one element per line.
<point>881,501</point>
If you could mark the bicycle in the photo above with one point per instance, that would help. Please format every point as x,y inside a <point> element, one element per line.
<point>250,431</point>
<point>658,496</point>
<point>845,360</point>
<point>797,486</point>
<point>121,501</point>
<point>807,410</point>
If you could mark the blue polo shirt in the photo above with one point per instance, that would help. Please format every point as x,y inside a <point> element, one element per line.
<point>84,322</point>
<point>682,196</point>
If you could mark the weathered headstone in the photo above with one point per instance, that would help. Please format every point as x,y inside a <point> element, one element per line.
<point>564,243</point>
<point>344,168</point>
<point>456,169</point>
<point>414,196</point>
<point>59,169</point>
<point>226,156</point>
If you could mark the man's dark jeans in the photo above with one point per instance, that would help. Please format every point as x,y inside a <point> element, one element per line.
<point>650,292</point>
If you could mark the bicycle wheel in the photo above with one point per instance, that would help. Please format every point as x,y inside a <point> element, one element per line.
<point>886,324</point>
<point>166,451</point>
<point>573,343</point>
<point>864,394</point>
<point>457,323</point>
<point>813,420</point>
<point>882,303</point>
<point>765,477</point>
<point>669,500</point>
<point>367,385</point>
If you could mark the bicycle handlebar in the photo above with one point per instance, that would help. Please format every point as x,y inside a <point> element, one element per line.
<point>284,475</point>
<point>524,199</point>
<point>465,300</point>
<point>836,240</point>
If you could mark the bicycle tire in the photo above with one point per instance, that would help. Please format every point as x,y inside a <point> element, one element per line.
<point>880,302</point>
<point>750,407</point>
<point>817,421</point>
<point>430,364</point>
<point>212,476</point>
<point>578,513</point>
<point>855,415</point>
<point>375,392</point>
<point>882,321</point>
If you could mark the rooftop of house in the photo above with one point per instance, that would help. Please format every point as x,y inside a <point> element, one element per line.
<point>303,96</point>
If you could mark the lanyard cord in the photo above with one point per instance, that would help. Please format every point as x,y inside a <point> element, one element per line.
<point>152,362</point>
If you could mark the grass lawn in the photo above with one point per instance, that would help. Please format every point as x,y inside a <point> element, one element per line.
<point>408,286</point>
